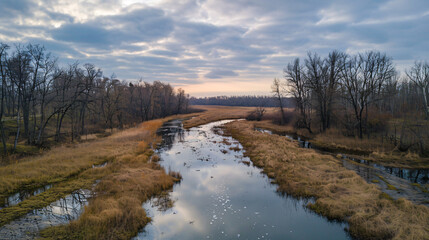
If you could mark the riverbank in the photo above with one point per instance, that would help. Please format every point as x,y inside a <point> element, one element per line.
<point>116,212</point>
<point>124,183</point>
<point>340,194</point>
<point>217,113</point>
<point>223,196</point>
<point>368,149</point>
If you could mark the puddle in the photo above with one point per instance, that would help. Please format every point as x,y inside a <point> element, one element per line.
<point>302,142</point>
<point>59,212</point>
<point>404,180</point>
<point>420,176</point>
<point>99,165</point>
<point>20,196</point>
<point>223,196</point>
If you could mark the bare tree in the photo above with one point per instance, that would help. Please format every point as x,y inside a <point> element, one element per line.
<point>362,78</point>
<point>46,95</point>
<point>3,60</point>
<point>180,100</point>
<point>19,68</point>
<point>277,90</point>
<point>91,73</point>
<point>419,75</point>
<point>300,90</point>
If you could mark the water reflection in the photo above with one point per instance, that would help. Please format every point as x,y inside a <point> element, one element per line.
<point>59,212</point>
<point>222,198</point>
<point>20,196</point>
<point>402,179</point>
<point>420,176</point>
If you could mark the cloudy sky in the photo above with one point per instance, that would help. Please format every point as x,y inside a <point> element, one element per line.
<point>214,47</point>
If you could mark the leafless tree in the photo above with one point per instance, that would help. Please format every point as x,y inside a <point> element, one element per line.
<point>277,90</point>
<point>3,60</point>
<point>362,78</point>
<point>300,90</point>
<point>419,75</point>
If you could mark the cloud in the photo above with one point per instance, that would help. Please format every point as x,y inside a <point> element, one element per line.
<point>136,25</point>
<point>207,41</point>
<point>218,73</point>
<point>83,33</point>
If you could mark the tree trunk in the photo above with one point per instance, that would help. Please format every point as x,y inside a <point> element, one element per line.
<point>425,103</point>
<point>17,130</point>
<point>3,138</point>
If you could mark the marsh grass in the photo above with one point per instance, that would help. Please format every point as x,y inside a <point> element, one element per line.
<point>216,113</point>
<point>340,193</point>
<point>334,141</point>
<point>116,212</point>
<point>421,187</point>
<point>125,183</point>
<point>84,180</point>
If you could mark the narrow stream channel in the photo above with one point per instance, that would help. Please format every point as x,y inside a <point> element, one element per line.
<point>397,182</point>
<point>222,196</point>
<point>20,196</point>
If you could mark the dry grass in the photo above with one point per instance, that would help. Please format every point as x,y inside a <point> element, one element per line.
<point>340,194</point>
<point>116,212</point>
<point>335,140</point>
<point>126,182</point>
<point>398,159</point>
<point>369,149</point>
<point>269,125</point>
<point>84,180</point>
<point>373,150</point>
<point>216,113</point>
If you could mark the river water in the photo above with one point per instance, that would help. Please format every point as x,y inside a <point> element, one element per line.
<point>222,196</point>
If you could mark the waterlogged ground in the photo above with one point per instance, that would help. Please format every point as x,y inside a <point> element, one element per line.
<point>411,184</point>
<point>222,196</point>
<point>59,212</point>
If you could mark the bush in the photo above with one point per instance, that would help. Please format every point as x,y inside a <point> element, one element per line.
<point>275,117</point>
<point>256,115</point>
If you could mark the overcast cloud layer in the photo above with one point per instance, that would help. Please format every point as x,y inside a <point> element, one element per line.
<point>212,47</point>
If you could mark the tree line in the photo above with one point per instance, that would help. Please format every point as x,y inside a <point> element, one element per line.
<point>38,97</point>
<point>353,91</point>
<point>244,101</point>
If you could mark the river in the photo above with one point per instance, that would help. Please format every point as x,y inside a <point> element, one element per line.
<point>223,196</point>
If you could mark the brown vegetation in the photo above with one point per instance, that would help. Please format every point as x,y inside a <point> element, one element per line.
<point>340,194</point>
<point>126,182</point>
<point>216,113</point>
<point>116,212</point>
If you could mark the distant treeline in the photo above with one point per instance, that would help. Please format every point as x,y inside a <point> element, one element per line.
<point>39,99</point>
<point>245,101</point>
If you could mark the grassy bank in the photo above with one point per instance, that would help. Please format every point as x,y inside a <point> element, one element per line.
<point>84,180</point>
<point>126,181</point>
<point>340,194</point>
<point>217,113</point>
<point>372,150</point>
<point>116,212</point>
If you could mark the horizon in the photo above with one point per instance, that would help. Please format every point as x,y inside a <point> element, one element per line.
<point>214,48</point>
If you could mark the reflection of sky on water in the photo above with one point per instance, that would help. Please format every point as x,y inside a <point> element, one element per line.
<point>221,198</point>
<point>59,212</point>
<point>20,196</point>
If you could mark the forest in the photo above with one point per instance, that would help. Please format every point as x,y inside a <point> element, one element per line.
<point>243,101</point>
<point>359,95</point>
<point>43,101</point>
